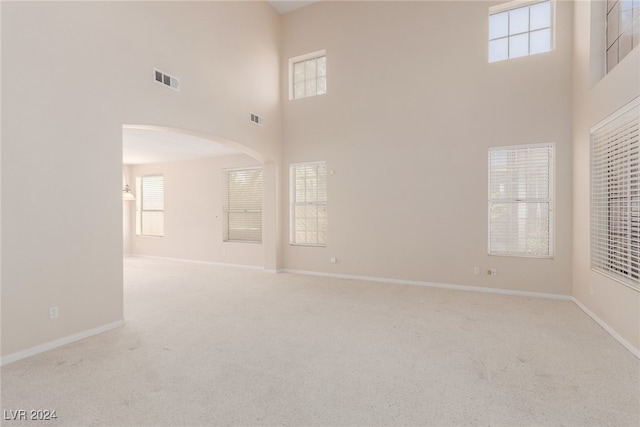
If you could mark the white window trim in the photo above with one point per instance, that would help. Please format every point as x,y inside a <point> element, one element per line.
<point>552,202</point>
<point>630,106</point>
<point>301,58</point>
<point>139,209</point>
<point>292,206</point>
<point>635,103</point>
<point>225,231</point>
<point>503,7</point>
<point>515,4</point>
<point>618,36</point>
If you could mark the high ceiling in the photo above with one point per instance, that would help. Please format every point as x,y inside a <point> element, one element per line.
<point>148,146</point>
<point>284,6</point>
<point>141,146</point>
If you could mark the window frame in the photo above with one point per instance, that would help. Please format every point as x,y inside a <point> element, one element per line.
<point>514,5</point>
<point>601,260</point>
<point>292,61</point>
<point>550,200</point>
<point>293,203</point>
<point>226,210</point>
<point>615,35</point>
<point>140,206</point>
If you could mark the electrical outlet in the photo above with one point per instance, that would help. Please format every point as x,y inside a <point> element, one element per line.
<point>334,260</point>
<point>476,270</point>
<point>53,312</point>
<point>491,272</point>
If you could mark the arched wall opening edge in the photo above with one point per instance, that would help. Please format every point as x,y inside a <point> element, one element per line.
<point>270,193</point>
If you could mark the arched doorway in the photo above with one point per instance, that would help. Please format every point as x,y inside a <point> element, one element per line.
<point>186,150</point>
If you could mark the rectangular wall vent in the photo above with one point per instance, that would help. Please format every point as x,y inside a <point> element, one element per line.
<point>256,119</point>
<point>166,80</point>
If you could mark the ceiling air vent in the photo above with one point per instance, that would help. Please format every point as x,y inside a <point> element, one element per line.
<point>166,80</point>
<point>256,119</point>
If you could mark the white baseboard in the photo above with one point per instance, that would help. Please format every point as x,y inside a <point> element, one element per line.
<point>194,261</point>
<point>602,323</point>
<point>434,285</point>
<point>609,329</point>
<point>14,357</point>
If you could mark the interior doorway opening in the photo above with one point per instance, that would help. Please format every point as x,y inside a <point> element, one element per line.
<point>175,178</point>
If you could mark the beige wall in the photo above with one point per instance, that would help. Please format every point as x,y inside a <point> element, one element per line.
<point>128,209</point>
<point>72,74</point>
<point>411,109</point>
<point>193,227</point>
<point>595,98</point>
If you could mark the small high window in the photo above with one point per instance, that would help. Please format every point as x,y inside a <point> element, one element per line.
<point>517,29</point>
<point>308,75</point>
<point>623,29</point>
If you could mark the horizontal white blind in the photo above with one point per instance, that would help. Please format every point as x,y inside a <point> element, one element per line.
<point>615,196</point>
<point>308,186</point>
<point>520,198</point>
<point>243,205</point>
<point>152,215</point>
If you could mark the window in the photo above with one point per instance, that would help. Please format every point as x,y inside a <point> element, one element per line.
<point>615,196</point>
<point>520,200</point>
<point>308,184</point>
<point>150,206</point>
<point>516,30</point>
<point>308,75</point>
<point>623,29</point>
<point>243,205</point>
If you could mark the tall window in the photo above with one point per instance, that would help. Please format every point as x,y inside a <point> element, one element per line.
<point>308,184</point>
<point>308,75</point>
<point>623,29</point>
<point>150,206</point>
<point>615,196</point>
<point>520,200</point>
<point>516,30</point>
<point>243,205</point>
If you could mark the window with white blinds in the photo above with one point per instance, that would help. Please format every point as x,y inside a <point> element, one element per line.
<point>243,205</point>
<point>308,198</point>
<point>520,200</point>
<point>615,196</point>
<point>150,206</point>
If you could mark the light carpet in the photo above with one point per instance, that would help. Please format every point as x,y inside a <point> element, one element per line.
<point>209,345</point>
